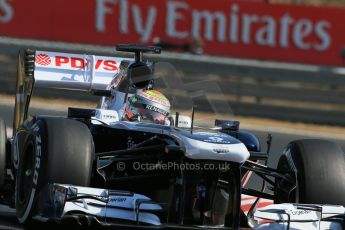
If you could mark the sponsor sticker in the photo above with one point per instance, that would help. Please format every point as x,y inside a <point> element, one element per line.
<point>37,154</point>
<point>43,59</point>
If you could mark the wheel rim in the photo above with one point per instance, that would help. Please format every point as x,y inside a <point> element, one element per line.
<point>26,175</point>
<point>286,189</point>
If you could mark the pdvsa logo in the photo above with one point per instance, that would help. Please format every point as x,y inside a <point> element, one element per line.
<point>43,59</point>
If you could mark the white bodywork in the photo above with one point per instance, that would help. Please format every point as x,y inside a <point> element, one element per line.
<point>110,204</point>
<point>198,145</point>
<point>108,117</point>
<point>298,216</point>
<point>201,150</point>
<point>74,71</point>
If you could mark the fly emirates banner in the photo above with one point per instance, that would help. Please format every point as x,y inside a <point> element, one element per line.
<point>288,33</point>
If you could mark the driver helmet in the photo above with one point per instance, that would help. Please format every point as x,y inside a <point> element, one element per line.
<point>147,106</point>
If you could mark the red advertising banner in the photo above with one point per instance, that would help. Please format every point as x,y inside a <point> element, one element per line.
<point>289,33</point>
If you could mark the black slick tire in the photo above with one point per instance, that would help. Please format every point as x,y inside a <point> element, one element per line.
<point>56,150</point>
<point>318,166</point>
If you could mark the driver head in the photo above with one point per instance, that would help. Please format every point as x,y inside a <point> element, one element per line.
<point>147,106</point>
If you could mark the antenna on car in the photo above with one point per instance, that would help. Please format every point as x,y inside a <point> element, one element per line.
<point>176,118</point>
<point>192,124</point>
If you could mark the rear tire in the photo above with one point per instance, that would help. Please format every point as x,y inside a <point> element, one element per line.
<point>3,142</point>
<point>56,150</point>
<point>320,167</point>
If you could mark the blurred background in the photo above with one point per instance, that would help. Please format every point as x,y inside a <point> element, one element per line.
<point>309,2</point>
<point>277,59</point>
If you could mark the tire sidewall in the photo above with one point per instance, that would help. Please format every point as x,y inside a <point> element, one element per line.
<point>53,150</point>
<point>295,162</point>
<point>36,135</point>
<point>3,160</point>
<point>318,166</point>
<point>289,165</point>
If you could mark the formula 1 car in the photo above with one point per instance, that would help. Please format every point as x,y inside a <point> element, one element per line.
<point>92,168</point>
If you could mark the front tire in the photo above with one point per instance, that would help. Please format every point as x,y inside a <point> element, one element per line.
<point>318,166</point>
<point>56,150</point>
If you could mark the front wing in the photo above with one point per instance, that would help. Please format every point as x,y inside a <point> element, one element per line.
<point>123,209</point>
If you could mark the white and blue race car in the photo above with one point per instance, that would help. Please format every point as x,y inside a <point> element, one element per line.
<point>92,168</point>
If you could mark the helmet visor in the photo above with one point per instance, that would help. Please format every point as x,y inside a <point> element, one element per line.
<point>141,114</point>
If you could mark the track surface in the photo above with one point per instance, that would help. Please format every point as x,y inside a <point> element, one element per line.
<point>7,216</point>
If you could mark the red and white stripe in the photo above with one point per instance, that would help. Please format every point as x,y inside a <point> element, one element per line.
<point>247,202</point>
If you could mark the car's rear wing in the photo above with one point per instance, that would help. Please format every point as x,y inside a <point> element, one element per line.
<point>74,71</point>
<point>44,69</point>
